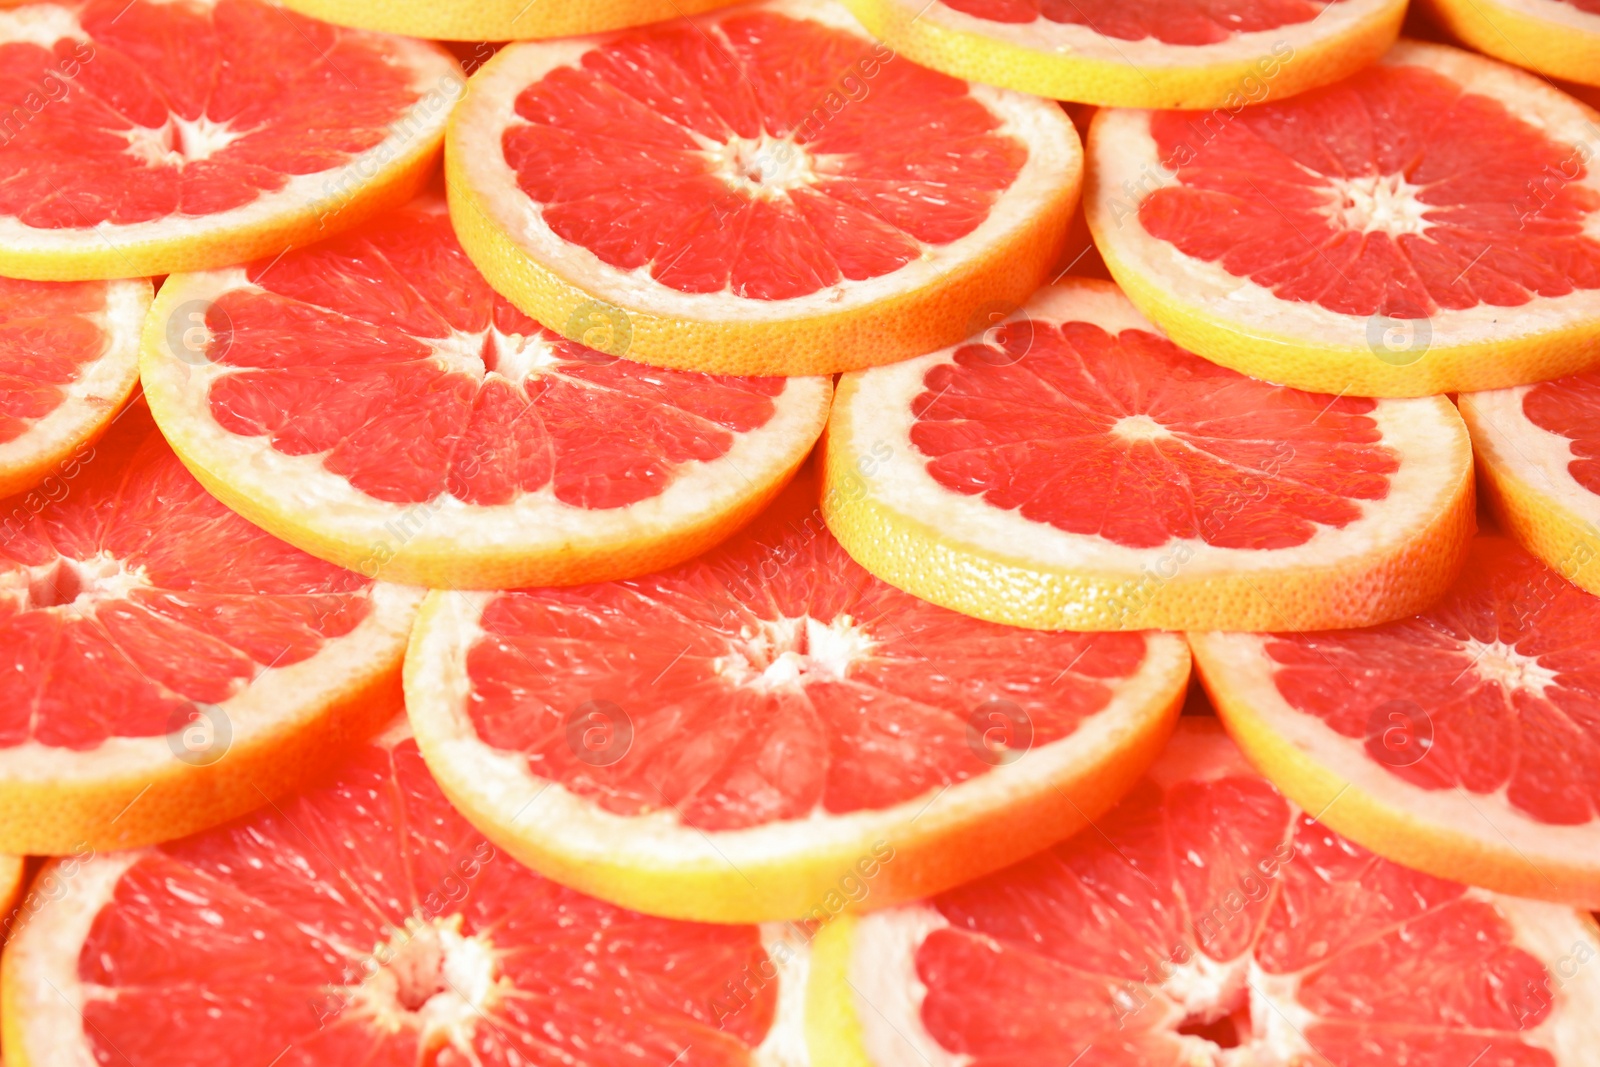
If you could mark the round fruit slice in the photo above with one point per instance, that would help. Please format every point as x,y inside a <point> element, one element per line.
<point>143,137</point>
<point>164,665</point>
<point>364,922</point>
<point>1462,742</point>
<point>499,20</point>
<point>1369,237</point>
<point>372,401</point>
<point>768,732</point>
<point>1075,470</point>
<point>1537,448</point>
<point>1208,922</point>
<point>1220,54</point>
<point>69,359</point>
<point>1554,38</point>
<point>765,190</point>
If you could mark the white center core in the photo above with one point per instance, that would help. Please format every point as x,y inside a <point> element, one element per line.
<point>1377,203</point>
<point>763,166</point>
<point>515,357</point>
<point>435,979</point>
<point>78,586</point>
<point>180,140</point>
<point>1501,664</point>
<point>1139,428</point>
<point>788,652</point>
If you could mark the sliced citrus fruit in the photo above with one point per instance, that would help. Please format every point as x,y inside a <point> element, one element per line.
<point>1462,741</point>
<point>373,401</point>
<point>364,922</point>
<point>1207,922</point>
<point>499,20</point>
<point>143,137</point>
<point>765,190</point>
<point>1555,38</point>
<point>69,360</point>
<point>1537,448</point>
<point>1222,54</point>
<point>769,732</point>
<point>1369,237</point>
<point>1074,469</point>
<point>11,872</point>
<point>164,665</point>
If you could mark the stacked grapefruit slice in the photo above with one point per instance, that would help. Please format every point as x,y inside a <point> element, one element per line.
<point>1074,469</point>
<point>165,664</point>
<point>499,20</point>
<point>1207,922</point>
<point>765,190</point>
<point>1553,38</point>
<point>144,137</point>
<point>1425,226</point>
<point>768,732</point>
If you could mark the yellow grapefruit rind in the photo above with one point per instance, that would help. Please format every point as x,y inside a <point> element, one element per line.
<point>814,340</point>
<point>1565,540</point>
<point>52,445</point>
<point>1186,81</point>
<point>439,551</point>
<point>11,871</point>
<point>915,553</point>
<point>386,176</point>
<point>1345,367</point>
<point>138,792</point>
<point>655,865</point>
<point>1490,860</point>
<point>1564,45</point>
<point>498,20</point>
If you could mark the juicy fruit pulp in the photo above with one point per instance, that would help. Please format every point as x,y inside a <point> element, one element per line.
<point>365,921</point>
<point>781,156</point>
<point>1570,408</point>
<point>1181,22</point>
<point>49,333</point>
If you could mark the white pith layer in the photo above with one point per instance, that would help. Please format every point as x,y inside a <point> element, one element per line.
<point>1507,440</point>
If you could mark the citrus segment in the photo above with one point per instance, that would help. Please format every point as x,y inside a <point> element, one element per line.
<point>147,137</point>
<point>766,731</point>
<point>1366,238</point>
<point>1074,469</point>
<point>1208,922</point>
<point>374,402</point>
<point>165,664</point>
<point>499,20</point>
<point>1147,53</point>
<point>1553,38</point>
<point>69,360</point>
<point>363,921</point>
<point>1460,741</point>
<point>759,191</point>
<point>1536,446</point>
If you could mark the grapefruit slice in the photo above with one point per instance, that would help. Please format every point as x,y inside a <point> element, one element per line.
<point>499,20</point>
<point>363,922</point>
<point>765,190</point>
<point>1074,469</point>
<point>1369,237</point>
<point>69,360</point>
<point>1220,54</point>
<point>1460,742</point>
<point>164,665</point>
<point>768,732</point>
<point>372,401</point>
<point>1208,922</point>
<point>1536,446</point>
<point>146,137</point>
<point>11,873</point>
<point>1554,38</point>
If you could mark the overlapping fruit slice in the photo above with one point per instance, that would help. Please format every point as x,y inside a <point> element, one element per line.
<point>1425,226</point>
<point>144,137</point>
<point>1553,38</point>
<point>1538,447</point>
<point>769,732</point>
<point>1074,469</point>
<point>765,190</point>
<point>1464,741</point>
<point>1141,53</point>
<point>1208,922</point>
<point>364,922</point>
<point>499,20</point>
<point>11,872</point>
<point>69,359</point>
<point>164,665</point>
<point>374,402</point>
